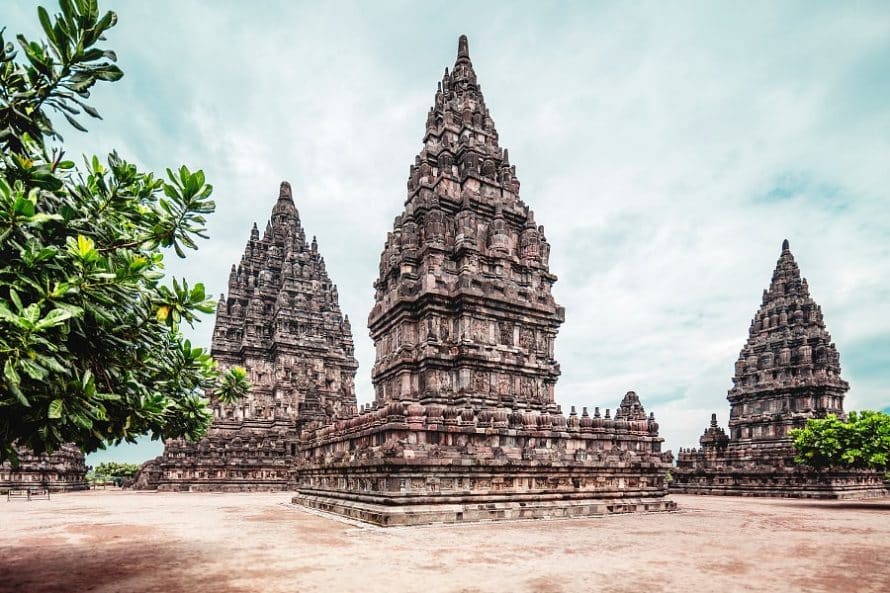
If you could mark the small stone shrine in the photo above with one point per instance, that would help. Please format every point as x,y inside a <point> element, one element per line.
<point>464,425</point>
<point>282,322</point>
<point>788,371</point>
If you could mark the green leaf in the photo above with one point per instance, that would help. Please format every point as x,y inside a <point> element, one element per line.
<point>85,246</point>
<point>54,318</point>
<point>55,409</point>
<point>14,296</point>
<point>10,374</point>
<point>31,314</point>
<point>7,315</point>
<point>39,219</point>
<point>13,381</point>
<point>108,72</point>
<point>74,123</point>
<point>197,294</point>
<point>33,370</point>
<point>88,383</point>
<point>43,16</point>
<point>24,207</point>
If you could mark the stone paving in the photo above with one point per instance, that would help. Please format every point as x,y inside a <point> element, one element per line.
<point>134,542</point>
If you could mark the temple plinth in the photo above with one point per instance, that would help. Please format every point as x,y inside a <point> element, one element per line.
<point>62,470</point>
<point>282,322</point>
<point>788,371</point>
<point>464,424</point>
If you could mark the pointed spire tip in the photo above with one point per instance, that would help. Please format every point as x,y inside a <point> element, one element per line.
<point>463,48</point>
<point>786,245</point>
<point>284,191</point>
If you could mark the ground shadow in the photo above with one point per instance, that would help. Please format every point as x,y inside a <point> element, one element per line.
<point>128,565</point>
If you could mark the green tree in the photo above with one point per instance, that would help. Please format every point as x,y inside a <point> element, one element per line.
<point>860,441</point>
<point>113,471</point>
<point>90,344</point>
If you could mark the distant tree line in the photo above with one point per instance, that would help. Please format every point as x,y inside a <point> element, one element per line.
<point>112,471</point>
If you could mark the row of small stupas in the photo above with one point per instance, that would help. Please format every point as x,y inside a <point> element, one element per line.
<point>464,424</point>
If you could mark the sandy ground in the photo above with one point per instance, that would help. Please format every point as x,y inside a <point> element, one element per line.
<point>227,543</point>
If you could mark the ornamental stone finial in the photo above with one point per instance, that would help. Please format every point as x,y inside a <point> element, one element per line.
<point>463,48</point>
<point>284,193</point>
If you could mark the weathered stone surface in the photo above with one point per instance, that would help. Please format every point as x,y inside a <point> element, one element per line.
<point>282,322</point>
<point>788,371</point>
<point>464,424</point>
<point>501,509</point>
<point>59,471</point>
<point>394,464</point>
<point>464,312</point>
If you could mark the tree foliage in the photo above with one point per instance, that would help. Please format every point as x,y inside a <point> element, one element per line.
<point>110,470</point>
<point>90,344</point>
<point>861,441</point>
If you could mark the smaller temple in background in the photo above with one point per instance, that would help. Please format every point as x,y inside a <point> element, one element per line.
<point>788,371</point>
<point>282,322</point>
<point>60,471</point>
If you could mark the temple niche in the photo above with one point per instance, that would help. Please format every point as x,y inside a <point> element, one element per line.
<point>464,423</point>
<point>282,322</point>
<point>788,371</point>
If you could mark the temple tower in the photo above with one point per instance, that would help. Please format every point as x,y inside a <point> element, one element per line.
<point>464,424</point>
<point>282,322</point>
<point>788,371</point>
<point>464,311</point>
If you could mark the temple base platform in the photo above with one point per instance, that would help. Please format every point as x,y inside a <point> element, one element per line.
<point>412,464</point>
<point>793,484</point>
<point>425,512</point>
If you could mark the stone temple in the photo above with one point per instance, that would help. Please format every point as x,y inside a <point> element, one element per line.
<point>464,424</point>
<point>59,471</point>
<point>282,322</point>
<point>788,371</point>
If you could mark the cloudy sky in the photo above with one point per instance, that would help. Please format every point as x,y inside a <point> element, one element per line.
<point>667,150</point>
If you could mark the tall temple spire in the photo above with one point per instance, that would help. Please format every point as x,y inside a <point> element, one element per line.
<point>281,321</point>
<point>281,298</point>
<point>789,350</point>
<point>465,235</point>
<point>464,324</point>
